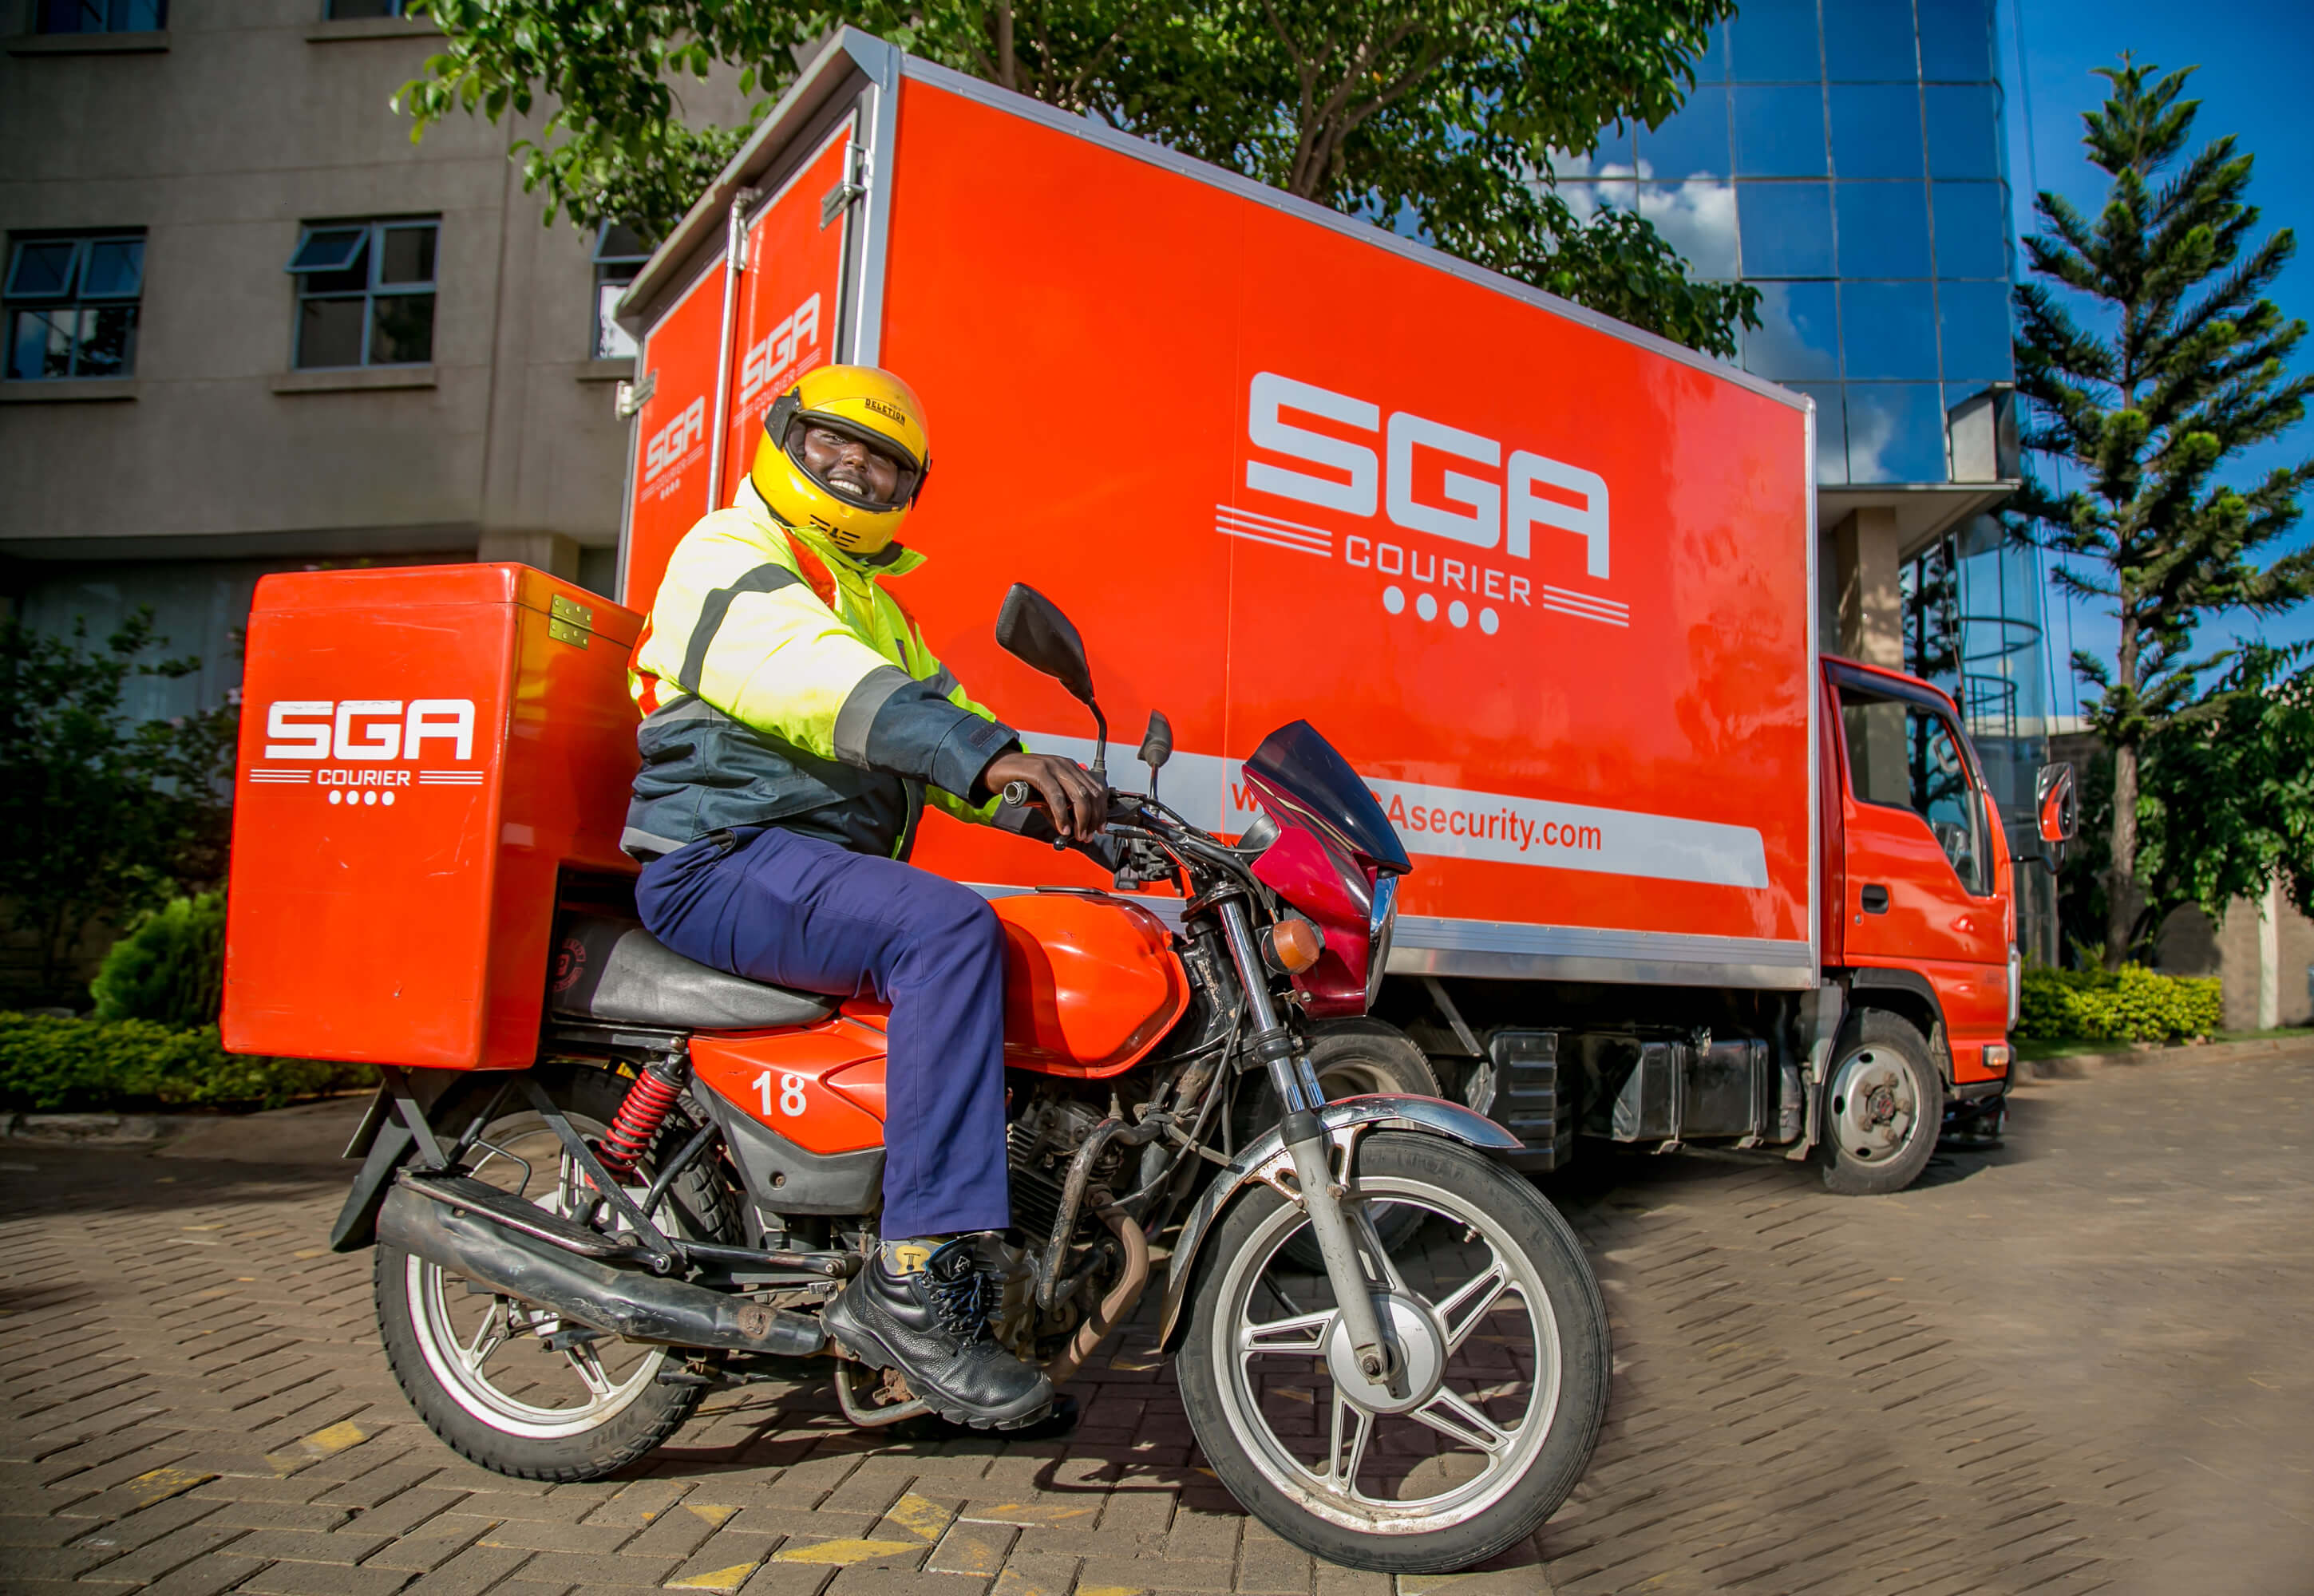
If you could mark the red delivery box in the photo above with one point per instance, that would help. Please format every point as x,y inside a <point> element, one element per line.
<point>424,752</point>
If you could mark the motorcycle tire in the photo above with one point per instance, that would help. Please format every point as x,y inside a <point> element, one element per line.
<point>1416,1530</point>
<point>469,1407</point>
<point>1351,1058</point>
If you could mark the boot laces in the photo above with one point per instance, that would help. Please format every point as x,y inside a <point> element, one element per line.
<point>962,1297</point>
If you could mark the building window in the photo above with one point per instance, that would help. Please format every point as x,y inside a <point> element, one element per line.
<point>72,304</point>
<point>101,16</point>
<point>619,253</point>
<point>344,11</point>
<point>366,293</point>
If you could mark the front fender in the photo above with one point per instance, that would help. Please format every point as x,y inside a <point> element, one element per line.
<point>1343,1119</point>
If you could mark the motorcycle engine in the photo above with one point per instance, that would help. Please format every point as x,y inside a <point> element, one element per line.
<point>1038,1147</point>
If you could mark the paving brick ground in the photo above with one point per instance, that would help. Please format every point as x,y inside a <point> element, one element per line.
<point>2079,1362</point>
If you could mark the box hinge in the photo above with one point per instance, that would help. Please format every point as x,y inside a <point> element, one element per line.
<point>569,621</point>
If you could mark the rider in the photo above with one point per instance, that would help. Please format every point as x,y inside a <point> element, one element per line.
<point>795,725</point>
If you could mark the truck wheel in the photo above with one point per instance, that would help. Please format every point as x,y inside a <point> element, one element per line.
<point>1351,1058</point>
<point>1882,1110</point>
<point>508,1385</point>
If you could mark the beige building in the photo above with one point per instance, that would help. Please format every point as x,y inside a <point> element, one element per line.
<point>182,411</point>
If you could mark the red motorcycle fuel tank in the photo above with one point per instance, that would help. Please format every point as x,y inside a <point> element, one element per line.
<point>1092,983</point>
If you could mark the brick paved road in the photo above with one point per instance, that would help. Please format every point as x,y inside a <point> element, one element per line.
<point>2079,1362</point>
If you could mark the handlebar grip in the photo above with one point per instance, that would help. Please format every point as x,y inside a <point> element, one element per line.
<point>1017,792</point>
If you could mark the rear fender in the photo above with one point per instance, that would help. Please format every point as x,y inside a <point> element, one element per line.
<point>1266,1156</point>
<point>383,1142</point>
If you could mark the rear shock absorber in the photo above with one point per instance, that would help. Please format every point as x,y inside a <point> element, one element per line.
<point>639,1116</point>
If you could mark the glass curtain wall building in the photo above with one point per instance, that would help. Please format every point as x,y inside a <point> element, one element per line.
<point>1846,158</point>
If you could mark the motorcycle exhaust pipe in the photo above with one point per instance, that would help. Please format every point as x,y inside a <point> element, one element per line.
<point>617,1301</point>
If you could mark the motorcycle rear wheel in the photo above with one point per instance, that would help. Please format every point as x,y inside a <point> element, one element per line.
<point>1504,1336</point>
<point>506,1385</point>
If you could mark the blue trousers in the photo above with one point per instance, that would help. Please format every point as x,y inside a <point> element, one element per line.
<point>795,911</point>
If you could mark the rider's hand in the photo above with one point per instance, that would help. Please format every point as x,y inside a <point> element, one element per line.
<point>1078,803</point>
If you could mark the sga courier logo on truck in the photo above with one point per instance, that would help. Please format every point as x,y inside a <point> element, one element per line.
<point>1497,511</point>
<point>357,745</point>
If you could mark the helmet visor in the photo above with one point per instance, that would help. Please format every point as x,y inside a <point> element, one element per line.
<point>853,464</point>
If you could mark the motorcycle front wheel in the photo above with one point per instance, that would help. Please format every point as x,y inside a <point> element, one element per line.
<point>1502,1340</point>
<point>511,1386</point>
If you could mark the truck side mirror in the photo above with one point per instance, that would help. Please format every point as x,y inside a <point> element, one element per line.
<point>1157,742</point>
<point>2056,796</point>
<point>2057,809</point>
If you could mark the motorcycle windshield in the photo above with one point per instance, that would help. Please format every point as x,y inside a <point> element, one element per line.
<point>1304,767</point>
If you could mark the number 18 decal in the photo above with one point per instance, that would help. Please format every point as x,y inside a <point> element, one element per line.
<point>791,1099</point>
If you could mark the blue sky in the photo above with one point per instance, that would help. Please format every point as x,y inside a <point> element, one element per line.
<point>2254,58</point>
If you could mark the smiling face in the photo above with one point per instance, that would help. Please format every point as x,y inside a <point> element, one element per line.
<point>850,466</point>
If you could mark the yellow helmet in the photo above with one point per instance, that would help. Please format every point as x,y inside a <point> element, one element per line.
<point>860,402</point>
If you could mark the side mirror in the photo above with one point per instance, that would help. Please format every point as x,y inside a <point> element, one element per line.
<point>2057,812</point>
<point>2057,800</point>
<point>1031,629</point>
<point>1157,742</point>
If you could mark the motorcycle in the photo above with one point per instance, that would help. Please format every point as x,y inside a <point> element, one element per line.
<point>1390,1347</point>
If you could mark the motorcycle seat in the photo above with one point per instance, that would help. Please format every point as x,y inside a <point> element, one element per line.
<point>612,970</point>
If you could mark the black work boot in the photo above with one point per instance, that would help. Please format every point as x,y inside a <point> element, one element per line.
<point>929,1317</point>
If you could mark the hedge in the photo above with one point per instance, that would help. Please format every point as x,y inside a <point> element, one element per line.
<point>48,1063</point>
<point>2131,1005</point>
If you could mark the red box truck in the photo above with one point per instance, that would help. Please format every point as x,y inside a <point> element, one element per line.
<point>1548,582</point>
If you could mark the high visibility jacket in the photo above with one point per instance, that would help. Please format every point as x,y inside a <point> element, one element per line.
<point>780,684</point>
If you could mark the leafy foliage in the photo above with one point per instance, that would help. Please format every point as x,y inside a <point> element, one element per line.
<point>2189,373</point>
<point>2227,802</point>
<point>1437,116</point>
<point>102,818</point>
<point>48,1064</point>
<point>2131,1004</point>
<point>169,967</point>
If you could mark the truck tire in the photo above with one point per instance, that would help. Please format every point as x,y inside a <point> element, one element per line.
<point>1884,1105</point>
<point>532,1426</point>
<point>1351,1057</point>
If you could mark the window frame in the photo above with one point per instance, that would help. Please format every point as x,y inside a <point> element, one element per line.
<point>44,12</point>
<point>368,252</point>
<point>393,8</point>
<point>1846,678</point>
<point>73,297</point>
<point>605,264</point>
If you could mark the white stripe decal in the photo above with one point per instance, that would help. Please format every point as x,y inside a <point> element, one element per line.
<point>1278,523</point>
<point>1456,823</point>
<point>1275,540</point>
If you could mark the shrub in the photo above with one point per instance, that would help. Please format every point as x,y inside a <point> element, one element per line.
<point>2131,1005</point>
<point>169,967</point>
<point>47,1064</point>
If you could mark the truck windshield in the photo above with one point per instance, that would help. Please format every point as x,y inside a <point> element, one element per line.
<point>1907,757</point>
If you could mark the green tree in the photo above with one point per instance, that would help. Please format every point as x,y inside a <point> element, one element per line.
<point>2227,801</point>
<point>1434,116</point>
<point>2184,371</point>
<point>102,818</point>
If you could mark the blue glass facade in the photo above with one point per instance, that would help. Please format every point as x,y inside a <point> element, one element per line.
<point>1845,159</point>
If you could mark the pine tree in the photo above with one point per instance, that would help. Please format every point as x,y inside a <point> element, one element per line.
<point>2182,372</point>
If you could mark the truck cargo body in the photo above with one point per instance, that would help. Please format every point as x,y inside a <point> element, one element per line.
<point>1548,582</point>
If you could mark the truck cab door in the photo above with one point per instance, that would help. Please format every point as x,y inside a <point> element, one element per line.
<point>1922,890</point>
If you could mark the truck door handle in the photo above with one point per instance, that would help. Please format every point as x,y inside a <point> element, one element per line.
<point>1876,900</point>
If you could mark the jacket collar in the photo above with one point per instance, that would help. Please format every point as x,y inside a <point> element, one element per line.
<point>894,559</point>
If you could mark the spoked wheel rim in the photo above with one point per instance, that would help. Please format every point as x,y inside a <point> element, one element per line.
<point>1876,1106</point>
<point>516,1367</point>
<point>1485,1433</point>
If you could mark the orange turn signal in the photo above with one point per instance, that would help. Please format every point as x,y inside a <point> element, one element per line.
<point>1294,945</point>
